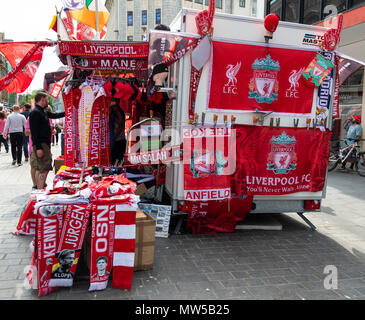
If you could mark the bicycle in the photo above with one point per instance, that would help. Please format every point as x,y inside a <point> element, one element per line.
<point>349,153</point>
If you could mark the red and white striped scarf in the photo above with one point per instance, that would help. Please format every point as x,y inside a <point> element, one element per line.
<point>124,245</point>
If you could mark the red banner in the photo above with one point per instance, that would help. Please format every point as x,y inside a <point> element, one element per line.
<point>216,216</point>
<point>54,81</point>
<point>207,163</point>
<point>109,63</point>
<point>104,49</point>
<point>276,161</point>
<point>247,77</point>
<point>24,58</point>
<point>159,156</point>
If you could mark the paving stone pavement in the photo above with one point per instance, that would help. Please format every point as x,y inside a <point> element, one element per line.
<point>245,265</point>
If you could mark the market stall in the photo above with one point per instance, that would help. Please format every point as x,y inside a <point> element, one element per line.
<point>249,132</point>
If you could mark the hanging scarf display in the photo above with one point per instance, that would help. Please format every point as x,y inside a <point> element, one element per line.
<point>84,117</point>
<point>75,222</point>
<point>69,132</point>
<point>325,94</point>
<point>194,84</point>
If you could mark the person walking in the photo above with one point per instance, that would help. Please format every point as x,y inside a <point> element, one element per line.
<point>15,123</point>
<point>41,157</point>
<point>2,126</point>
<point>354,132</point>
<point>26,113</point>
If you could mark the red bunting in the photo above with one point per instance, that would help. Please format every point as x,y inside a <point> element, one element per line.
<point>24,58</point>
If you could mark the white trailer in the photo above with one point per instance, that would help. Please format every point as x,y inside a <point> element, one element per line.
<point>232,28</point>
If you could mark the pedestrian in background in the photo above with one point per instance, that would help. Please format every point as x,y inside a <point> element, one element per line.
<point>2,126</point>
<point>26,113</point>
<point>15,122</point>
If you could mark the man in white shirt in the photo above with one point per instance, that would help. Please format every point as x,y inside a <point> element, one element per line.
<point>15,122</point>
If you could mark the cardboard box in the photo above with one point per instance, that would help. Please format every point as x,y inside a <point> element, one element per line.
<point>145,241</point>
<point>57,163</point>
<point>144,246</point>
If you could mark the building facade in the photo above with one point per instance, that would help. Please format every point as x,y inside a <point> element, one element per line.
<point>131,20</point>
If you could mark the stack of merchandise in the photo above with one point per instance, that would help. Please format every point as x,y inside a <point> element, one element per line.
<point>59,215</point>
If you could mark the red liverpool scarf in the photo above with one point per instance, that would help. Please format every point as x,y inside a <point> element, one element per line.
<point>27,221</point>
<point>68,250</point>
<point>49,221</point>
<point>102,243</point>
<point>69,132</point>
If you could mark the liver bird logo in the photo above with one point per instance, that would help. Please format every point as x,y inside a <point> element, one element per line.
<point>294,79</point>
<point>231,73</point>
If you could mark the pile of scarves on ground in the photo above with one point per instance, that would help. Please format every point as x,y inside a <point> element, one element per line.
<point>59,217</point>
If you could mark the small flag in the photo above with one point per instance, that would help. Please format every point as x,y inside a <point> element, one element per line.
<point>53,24</point>
<point>73,4</point>
<point>88,14</point>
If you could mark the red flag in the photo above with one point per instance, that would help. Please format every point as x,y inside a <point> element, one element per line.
<point>247,77</point>
<point>24,58</point>
<point>54,81</point>
<point>207,163</point>
<point>276,161</point>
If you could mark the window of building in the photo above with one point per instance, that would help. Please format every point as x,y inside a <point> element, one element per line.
<point>275,7</point>
<point>242,3</point>
<point>351,89</point>
<point>144,17</point>
<point>199,1</point>
<point>254,8</point>
<point>130,38</point>
<point>356,3</point>
<point>207,2</point>
<point>312,11</point>
<point>218,4</point>
<point>158,16</point>
<point>130,18</point>
<point>292,10</point>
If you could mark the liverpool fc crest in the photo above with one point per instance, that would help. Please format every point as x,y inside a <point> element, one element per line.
<point>282,157</point>
<point>264,85</point>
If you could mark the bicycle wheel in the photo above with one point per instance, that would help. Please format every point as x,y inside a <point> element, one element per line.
<point>333,161</point>
<point>360,164</point>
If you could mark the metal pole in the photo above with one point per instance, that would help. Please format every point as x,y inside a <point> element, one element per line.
<point>97,19</point>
